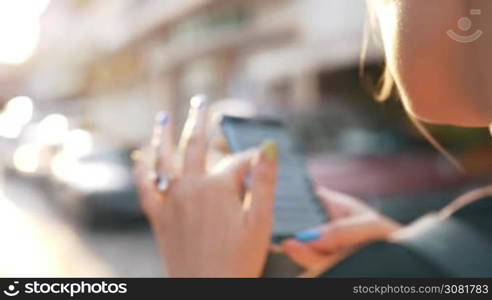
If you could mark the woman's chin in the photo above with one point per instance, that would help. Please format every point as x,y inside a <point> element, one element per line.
<point>465,123</point>
<point>448,115</point>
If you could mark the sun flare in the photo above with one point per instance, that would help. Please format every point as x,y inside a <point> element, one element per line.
<point>19,29</point>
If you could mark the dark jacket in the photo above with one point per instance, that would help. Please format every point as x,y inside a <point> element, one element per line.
<point>458,246</point>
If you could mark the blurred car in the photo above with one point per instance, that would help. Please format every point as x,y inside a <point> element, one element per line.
<point>97,189</point>
<point>382,176</point>
<point>403,186</point>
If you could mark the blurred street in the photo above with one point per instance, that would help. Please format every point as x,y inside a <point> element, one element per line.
<point>122,252</point>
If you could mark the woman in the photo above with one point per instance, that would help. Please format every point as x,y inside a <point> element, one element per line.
<point>206,225</point>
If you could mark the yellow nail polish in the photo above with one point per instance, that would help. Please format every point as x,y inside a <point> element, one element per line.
<point>270,150</point>
<point>136,155</point>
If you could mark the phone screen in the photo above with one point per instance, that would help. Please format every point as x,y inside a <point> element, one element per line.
<point>297,206</point>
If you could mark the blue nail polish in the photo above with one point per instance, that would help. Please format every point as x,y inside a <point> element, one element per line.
<point>308,235</point>
<point>162,119</point>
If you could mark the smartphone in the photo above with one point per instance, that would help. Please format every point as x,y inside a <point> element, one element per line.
<point>297,207</point>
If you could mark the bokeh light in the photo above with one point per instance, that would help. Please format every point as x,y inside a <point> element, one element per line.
<point>17,113</point>
<point>21,109</point>
<point>26,158</point>
<point>78,142</point>
<point>53,129</point>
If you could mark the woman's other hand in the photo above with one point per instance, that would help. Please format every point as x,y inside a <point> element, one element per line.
<point>352,224</point>
<point>206,223</point>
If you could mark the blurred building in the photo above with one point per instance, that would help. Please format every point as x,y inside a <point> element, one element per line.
<point>113,63</point>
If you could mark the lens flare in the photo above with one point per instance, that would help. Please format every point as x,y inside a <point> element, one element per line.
<point>19,29</point>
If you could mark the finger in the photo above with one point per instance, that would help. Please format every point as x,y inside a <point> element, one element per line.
<point>329,261</point>
<point>236,167</point>
<point>144,185</point>
<point>348,233</point>
<point>339,205</point>
<point>263,182</point>
<point>219,143</point>
<point>163,151</point>
<point>301,254</point>
<point>193,142</point>
<point>162,143</point>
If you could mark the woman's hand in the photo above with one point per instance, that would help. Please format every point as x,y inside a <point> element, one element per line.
<point>352,224</point>
<point>206,223</point>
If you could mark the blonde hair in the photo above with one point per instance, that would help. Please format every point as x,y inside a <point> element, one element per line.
<point>384,87</point>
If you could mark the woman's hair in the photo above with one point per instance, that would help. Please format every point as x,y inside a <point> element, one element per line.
<point>383,87</point>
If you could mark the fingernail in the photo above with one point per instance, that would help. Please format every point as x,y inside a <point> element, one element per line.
<point>269,150</point>
<point>198,101</point>
<point>136,155</point>
<point>162,118</point>
<point>308,235</point>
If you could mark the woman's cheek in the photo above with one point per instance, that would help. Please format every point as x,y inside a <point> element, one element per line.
<point>439,79</point>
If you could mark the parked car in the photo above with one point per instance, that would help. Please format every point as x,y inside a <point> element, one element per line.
<point>97,189</point>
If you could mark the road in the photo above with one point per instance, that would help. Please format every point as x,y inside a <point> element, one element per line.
<point>122,252</point>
